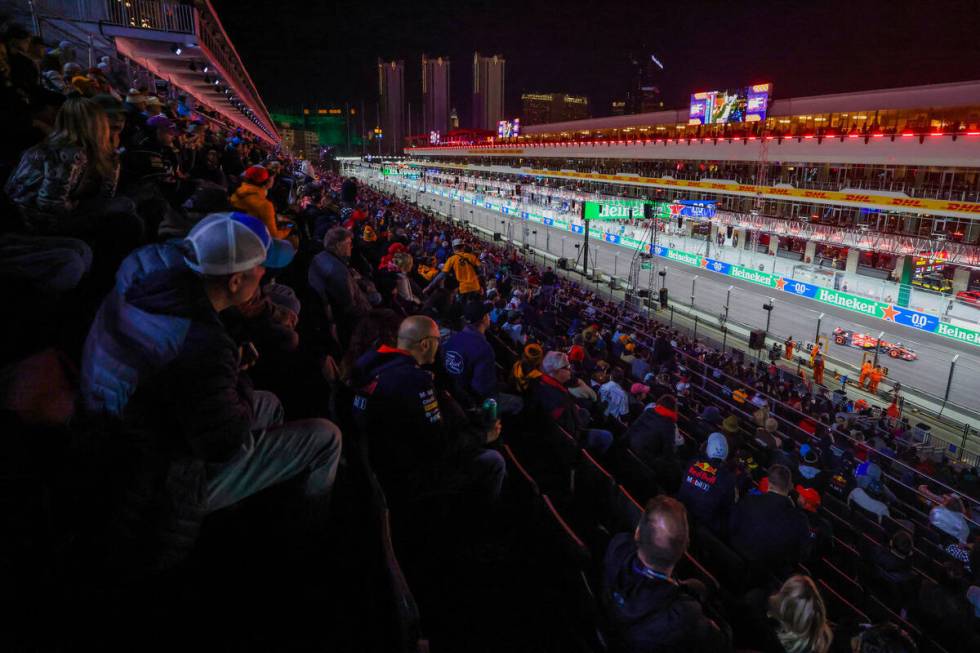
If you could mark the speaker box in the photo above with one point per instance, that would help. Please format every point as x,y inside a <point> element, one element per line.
<point>757,339</point>
<point>563,264</point>
<point>663,297</point>
<point>497,236</point>
<point>643,293</point>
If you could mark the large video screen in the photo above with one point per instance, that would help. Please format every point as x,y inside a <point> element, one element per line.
<point>747,104</point>
<point>509,128</point>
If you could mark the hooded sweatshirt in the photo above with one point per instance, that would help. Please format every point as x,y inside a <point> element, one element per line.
<point>251,199</point>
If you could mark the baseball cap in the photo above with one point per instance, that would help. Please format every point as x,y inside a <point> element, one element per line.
<point>226,243</point>
<point>639,388</point>
<point>473,312</point>
<point>809,499</point>
<point>160,121</point>
<point>256,175</point>
<point>457,242</point>
<point>711,414</point>
<point>717,446</point>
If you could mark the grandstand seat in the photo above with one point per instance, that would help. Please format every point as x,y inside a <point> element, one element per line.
<point>592,492</point>
<point>836,506</point>
<point>638,477</point>
<point>846,585</point>
<point>721,561</point>
<point>839,609</point>
<point>572,562</point>
<point>402,632</point>
<point>626,511</point>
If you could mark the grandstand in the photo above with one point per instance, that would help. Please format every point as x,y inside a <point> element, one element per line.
<point>251,402</point>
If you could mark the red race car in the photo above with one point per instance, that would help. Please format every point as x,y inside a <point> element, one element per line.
<point>971,297</point>
<point>864,341</point>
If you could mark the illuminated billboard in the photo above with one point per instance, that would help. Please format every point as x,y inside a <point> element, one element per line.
<point>747,104</point>
<point>434,138</point>
<point>509,128</point>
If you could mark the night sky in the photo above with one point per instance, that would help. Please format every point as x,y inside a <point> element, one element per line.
<point>313,52</point>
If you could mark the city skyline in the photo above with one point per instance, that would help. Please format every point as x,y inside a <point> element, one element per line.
<point>803,49</point>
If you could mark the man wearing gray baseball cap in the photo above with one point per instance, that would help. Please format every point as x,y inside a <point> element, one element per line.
<point>159,358</point>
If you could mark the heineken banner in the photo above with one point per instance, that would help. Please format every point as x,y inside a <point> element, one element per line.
<point>623,210</point>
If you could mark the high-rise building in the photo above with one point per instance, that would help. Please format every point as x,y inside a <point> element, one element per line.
<point>488,91</point>
<point>541,108</point>
<point>453,119</point>
<point>391,105</point>
<point>435,95</point>
<point>617,108</point>
<point>644,91</point>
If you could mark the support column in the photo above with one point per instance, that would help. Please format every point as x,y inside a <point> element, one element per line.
<point>714,233</point>
<point>742,240</point>
<point>903,273</point>
<point>810,253</point>
<point>961,279</point>
<point>851,266</point>
<point>773,245</point>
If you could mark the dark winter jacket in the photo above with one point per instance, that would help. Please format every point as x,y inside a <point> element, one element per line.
<point>50,182</point>
<point>650,614</point>
<point>554,404</point>
<point>157,354</point>
<point>335,283</point>
<point>769,529</point>
<point>397,407</point>
<point>469,361</point>
<point>708,492</point>
<point>651,436</point>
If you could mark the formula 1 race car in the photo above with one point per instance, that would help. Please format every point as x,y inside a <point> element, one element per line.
<point>864,341</point>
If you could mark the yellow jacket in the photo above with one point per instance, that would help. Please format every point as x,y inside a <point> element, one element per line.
<point>251,199</point>
<point>464,267</point>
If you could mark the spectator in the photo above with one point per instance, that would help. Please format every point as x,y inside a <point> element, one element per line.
<point>949,518</point>
<point>337,284</point>
<point>639,397</point>
<point>554,402</point>
<point>469,359</point>
<point>768,529</point>
<point>614,396</point>
<point>869,498</point>
<point>652,435</point>
<point>800,617</point>
<point>464,267</point>
<point>159,355</point>
<point>892,568</point>
<point>250,197</point>
<point>528,368</point>
<point>647,607</point>
<point>708,487</point>
<point>64,185</point>
<point>412,447</point>
<point>883,638</point>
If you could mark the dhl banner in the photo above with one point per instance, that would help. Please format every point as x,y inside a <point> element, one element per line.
<point>864,200</point>
<point>904,204</point>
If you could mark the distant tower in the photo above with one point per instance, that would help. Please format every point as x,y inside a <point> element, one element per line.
<point>488,91</point>
<point>453,119</point>
<point>391,95</point>
<point>435,95</point>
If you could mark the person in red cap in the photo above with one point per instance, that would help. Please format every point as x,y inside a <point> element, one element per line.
<point>251,198</point>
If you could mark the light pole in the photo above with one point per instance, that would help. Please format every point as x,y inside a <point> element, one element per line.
<point>693,282</point>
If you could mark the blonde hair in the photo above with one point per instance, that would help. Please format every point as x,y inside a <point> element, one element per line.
<point>83,123</point>
<point>802,617</point>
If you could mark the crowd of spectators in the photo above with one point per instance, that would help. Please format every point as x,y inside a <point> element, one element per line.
<point>161,268</point>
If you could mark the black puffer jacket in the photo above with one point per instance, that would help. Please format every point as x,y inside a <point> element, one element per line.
<point>652,615</point>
